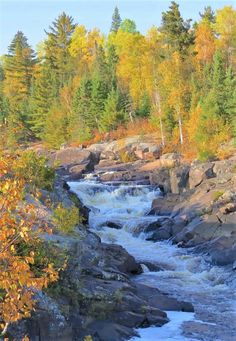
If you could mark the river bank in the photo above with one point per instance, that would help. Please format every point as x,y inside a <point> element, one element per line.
<point>161,232</point>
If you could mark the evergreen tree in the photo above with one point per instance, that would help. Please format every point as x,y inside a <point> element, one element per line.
<point>116,20</point>
<point>57,47</point>
<point>208,15</point>
<point>18,70</point>
<point>81,117</point>
<point>175,30</point>
<point>112,115</point>
<point>43,95</point>
<point>112,61</point>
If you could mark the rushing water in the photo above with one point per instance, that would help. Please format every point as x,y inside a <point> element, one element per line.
<point>185,275</point>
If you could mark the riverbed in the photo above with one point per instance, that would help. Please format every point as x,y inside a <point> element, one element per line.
<point>118,213</point>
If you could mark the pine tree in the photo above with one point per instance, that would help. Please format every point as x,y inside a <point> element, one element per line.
<point>116,20</point>
<point>175,30</point>
<point>57,47</point>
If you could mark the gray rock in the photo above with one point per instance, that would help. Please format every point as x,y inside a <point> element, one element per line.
<point>179,179</point>
<point>200,172</point>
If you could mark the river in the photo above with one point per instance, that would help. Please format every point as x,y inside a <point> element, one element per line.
<point>184,274</point>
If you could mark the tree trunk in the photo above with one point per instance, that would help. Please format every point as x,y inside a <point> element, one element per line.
<point>158,104</point>
<point>180,127</point>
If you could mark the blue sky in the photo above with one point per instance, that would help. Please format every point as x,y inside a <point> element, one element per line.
<point>33,16</point>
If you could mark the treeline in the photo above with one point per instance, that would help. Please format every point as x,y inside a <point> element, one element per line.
<point>180,77</point>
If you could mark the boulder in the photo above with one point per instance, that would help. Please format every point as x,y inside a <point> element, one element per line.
<point>200,172</point>
<point>222,250</point>
<point>179,179</point>
<point>72,156</point>
<point>161,177</point>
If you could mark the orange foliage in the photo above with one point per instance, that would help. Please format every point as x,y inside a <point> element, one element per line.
<point>18,283</point>
<point>204,43</point>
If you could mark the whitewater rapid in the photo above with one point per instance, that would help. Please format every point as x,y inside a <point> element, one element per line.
<point>185,275</point>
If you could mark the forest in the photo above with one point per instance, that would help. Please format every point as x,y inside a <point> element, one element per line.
<point>178,81</point>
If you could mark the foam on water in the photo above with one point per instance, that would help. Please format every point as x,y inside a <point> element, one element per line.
<point>186,275</point>
<point>169,332</point>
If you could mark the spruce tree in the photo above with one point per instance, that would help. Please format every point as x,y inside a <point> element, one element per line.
<point>112,115</point>
<point>175,30</point>
<point>208,15</point>
<point>80,125</point>
<point>18,70</point>
<point>116,20</point>
<point>57,47</point>
<point>43,96</point>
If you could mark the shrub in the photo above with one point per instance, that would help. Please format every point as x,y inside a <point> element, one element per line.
<point>35,171</point>
<point>66,219</point>
<point>217,195</point>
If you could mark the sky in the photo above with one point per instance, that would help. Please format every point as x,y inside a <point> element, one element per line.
<point>34,16</point>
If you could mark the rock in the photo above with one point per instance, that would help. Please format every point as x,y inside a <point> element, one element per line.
<point>113,225</point>
<point>72,156</point>
<point>163,206</point>
<point>222,250</point>
<point>163,301</point>
<point>234,265</point>
<point>224,168</point>
<point>200,172</point>
<point>179,179</point>
<point>161,177</point>
<point>152,166</point>
<point>77,171</point>
<point>173,157</point>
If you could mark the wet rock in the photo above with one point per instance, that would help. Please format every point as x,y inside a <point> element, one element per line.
<point>223,250</point>
<point>163,301</point>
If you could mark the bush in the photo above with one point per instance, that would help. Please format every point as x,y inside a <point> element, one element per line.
<point>217,195</point>
<point>35,171</point>
<point>66,219</point>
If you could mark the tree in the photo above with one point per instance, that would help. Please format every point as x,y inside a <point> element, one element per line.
<point>173,80</point>
<point>80,122</point>
<point>18,69</point>
<point>128,25</point>
<point>57,46</point>
<point>18,244</point>
<point>175,30</point>
<point>43,95</point>
<point>204,43</point>
<point>116,20</point>
<point>225,27</point>
<point>208,15</point>
<point>112,115</point>
<point>83,47</point>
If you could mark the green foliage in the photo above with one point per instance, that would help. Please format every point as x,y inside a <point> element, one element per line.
<point>35,171</point>
<point>116,20</point>
<point>128,25</point>
<point>66,219</point>
<point>57,47</point>
<point>217,195</point>
<point>175,30</point>
<point>45,253</point>
<point>112,116</point>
